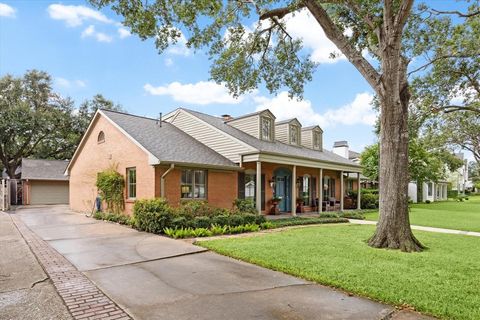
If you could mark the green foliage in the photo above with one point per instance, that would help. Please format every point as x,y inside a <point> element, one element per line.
<point>328,215</point>
<point>369,201</point>
<point>352,215</point>
<point>152,215</point>
<point>110,185</point>
<point>114,217</point>
<point>202,221</point>
<point>213,230</point>
<point>369,159</point>
<point>245,205</point>
<point>305,221</point>
<point>37,122</point>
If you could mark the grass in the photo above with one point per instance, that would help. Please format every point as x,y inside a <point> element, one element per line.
<point>442,281</point>
<point>446,214</point>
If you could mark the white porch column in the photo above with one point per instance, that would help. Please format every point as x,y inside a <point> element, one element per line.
<point>258,186</point>
<point>320,190</point>
<point>341,190</point>
<point>294,191</point>
<point>359,192</point>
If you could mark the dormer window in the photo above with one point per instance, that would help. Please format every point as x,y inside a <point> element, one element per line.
<point>316,140</point>
<point>267,128</point>
<point>294,134</point>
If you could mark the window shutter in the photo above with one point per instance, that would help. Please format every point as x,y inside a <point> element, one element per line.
<point>313,189</point>
<point>241,185</point>
<point>263,192</point>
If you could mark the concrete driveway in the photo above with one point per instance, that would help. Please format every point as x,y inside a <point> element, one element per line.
<point>154,277</point>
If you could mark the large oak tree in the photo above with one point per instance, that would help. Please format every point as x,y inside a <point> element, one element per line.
<point>244,59</point>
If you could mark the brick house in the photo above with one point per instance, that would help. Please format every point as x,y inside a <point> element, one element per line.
<point>189,155</point>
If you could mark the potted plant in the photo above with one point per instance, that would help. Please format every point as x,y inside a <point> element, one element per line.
<point>275,201</point>
<point>300,202</point>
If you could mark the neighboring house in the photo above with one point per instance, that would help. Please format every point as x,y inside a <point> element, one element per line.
<point>342,149</point>
<point>44,182</point>
<point>431,191</point>
<point>459,177</point>
<point>189,155</point>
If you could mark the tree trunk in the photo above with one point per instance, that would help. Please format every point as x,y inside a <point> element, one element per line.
<point>393,228</point>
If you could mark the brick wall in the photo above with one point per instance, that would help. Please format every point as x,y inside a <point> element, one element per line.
<point>95,157</point>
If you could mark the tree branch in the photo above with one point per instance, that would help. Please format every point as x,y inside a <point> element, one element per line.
<point>458,13</point>
<point>280,12</point>
<point>402,15</point>
<point>446,56</point>
<point>336,36</point>
<point>454,108</point>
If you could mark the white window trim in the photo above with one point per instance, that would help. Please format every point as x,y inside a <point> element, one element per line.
<point>128,183</point>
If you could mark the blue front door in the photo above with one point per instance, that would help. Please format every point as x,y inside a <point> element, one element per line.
<point>283,178</point>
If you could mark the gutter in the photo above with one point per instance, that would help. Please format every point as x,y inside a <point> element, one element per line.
<point>162,180</point>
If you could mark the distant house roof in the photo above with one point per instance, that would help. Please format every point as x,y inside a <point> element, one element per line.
<point>166,142</point>
<point>353,155</point>
<point>37,169</point>
<point>276,147</point>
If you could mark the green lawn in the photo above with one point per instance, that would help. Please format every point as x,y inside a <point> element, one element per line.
<point>443,281</point>
<point>446,214</point>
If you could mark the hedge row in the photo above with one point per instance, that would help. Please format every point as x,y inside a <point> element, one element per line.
<point>155,215</point>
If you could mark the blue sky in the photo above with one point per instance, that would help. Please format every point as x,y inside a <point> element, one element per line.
<point>88,52</point>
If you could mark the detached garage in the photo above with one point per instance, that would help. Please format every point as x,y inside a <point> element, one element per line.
<point>44,182</point>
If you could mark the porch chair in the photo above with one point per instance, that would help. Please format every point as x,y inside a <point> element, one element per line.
<point>334,203</point>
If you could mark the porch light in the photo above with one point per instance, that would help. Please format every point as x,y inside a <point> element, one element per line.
<point>272,183</point>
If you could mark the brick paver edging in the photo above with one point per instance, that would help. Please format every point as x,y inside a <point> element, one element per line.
<point>84,299</point>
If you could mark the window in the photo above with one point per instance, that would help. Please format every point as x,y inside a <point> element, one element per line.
<point>193,184</point>
<point>101,137</point>
<point>266,128</point>
<point>131,183</point>
<point>316,140</point>
<point>429,189</point>
<point>349,185</point>
<point>328,188</point>
<point>306,189</point>
<point>250,186</point>
<point>294,134</point>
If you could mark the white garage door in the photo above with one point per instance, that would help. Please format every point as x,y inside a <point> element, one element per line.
<point>49,192</point>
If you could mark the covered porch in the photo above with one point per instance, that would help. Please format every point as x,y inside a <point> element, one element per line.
<point>290,187</point>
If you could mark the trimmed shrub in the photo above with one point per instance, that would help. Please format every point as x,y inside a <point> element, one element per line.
<point>236,220</point>
<point>201,222</point>
<point>369,201</point>
<point>328,215</point>
<point>221,220</point>
<point>245,205</point>
<point>152,215</point>
<point>259,219</point>
<point>352,215</point>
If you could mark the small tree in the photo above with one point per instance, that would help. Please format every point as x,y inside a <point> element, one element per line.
<point>110,185</point>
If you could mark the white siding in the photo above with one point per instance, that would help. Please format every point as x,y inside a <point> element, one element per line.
<point>281,132</point>
<point>213,138</point>
<point>250,125</point>
<point>307,138</point>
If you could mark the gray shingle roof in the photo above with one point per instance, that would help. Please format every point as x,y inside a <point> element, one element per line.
<point>36,169</point>
<point>274,146</point>
<point>353,154</point>
<point>167,143</point>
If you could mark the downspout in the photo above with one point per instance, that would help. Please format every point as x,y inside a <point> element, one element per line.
<point>162,180</point>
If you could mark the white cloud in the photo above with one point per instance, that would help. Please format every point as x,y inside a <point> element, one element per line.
<point>65,83</point>
<point>359,111</point>
<point>303,25</point>
<point>200,93</point>
<point>123,33</point>
<point>75,15</point>
<point>7,11</point>
<point>99,36</point>
<point>168,62</point>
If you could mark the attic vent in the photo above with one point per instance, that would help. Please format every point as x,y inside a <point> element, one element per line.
<point>226,117</point>
<point>101,137</point>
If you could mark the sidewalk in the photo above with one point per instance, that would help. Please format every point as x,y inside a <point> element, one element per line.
<point>421,228</point>
<point>26,292</point>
